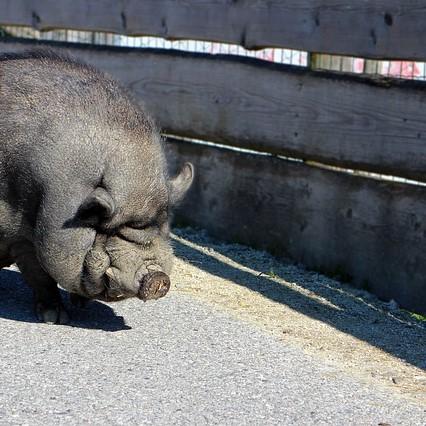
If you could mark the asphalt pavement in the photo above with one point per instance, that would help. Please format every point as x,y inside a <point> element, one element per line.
<point>175,361</point>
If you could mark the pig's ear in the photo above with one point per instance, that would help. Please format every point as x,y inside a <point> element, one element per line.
<point>181,183</point>
<point>97,207</point>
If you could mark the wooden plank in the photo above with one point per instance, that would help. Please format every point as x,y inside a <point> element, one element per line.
<point>392,29</point>
<point>370,232</point>
<point>284,110</point>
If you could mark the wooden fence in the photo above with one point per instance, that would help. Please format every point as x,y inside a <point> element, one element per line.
<point>371,231</point>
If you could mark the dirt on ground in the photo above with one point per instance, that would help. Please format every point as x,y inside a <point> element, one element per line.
<point>348,328</point>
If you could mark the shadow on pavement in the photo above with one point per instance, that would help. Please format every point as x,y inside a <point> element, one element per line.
<point>350,315</point>
<point>16,305</point>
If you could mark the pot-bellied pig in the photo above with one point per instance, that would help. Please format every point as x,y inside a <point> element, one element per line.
<point>85,198</point>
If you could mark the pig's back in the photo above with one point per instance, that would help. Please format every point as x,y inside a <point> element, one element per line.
<point>60,123</point>
<point>38,86</point>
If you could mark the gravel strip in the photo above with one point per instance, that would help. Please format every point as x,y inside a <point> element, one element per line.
<point>346,327</point>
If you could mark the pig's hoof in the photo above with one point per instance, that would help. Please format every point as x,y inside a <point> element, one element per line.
<point>52,314</point>
<point>153,286</point>
<point>78,301</point>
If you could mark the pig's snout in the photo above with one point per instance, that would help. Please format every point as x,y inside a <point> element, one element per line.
<point>153,286</point>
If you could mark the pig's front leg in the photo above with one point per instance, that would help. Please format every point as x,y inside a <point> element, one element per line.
<point>47,300</point>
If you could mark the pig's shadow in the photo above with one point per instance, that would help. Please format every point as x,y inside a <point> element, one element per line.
<point>16,305</point>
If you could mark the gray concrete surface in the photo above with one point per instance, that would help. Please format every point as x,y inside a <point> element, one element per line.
<point>173,361</point>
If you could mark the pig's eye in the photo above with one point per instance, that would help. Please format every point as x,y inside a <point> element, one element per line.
<point>139,236</point>
<point>150,224</point>
<point>139,226</point>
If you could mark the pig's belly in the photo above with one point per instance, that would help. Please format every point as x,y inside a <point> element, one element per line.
<point>5,258</point>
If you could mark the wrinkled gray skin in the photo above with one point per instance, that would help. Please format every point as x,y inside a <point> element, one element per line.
<point>122,266</point>
<point>84,194</point>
